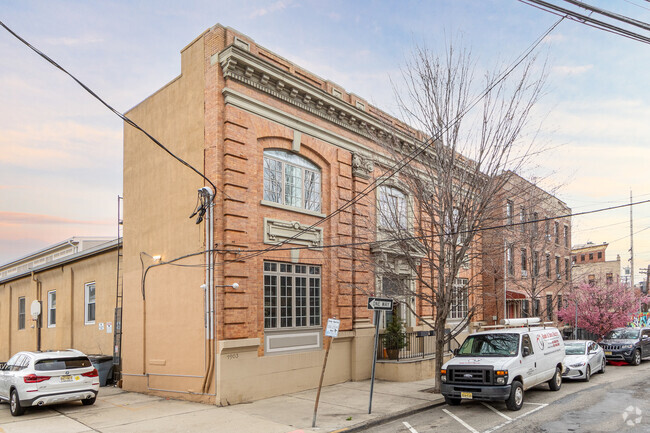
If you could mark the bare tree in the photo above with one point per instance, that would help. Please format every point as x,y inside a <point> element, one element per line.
<point>430,216</point>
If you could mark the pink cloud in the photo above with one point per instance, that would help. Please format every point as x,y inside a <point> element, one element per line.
<point>22,218</point>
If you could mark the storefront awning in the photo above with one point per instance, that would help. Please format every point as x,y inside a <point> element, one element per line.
<point>514,295</point>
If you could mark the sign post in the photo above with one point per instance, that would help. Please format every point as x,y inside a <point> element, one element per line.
<point>332,331</point>
<point>377,305</point>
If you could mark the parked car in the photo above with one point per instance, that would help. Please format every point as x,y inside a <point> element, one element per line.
<point>43,378</point>
<point>498,365</point>
<point>583,358</point>
<point>627,344</point>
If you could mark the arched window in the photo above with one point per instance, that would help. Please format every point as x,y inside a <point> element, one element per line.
<point>391,209</point>
<point>291,180</point>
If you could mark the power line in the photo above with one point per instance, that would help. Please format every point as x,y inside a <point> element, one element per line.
<point>116,112</point>
<point>398,166</point>
<point>404,239</point>
<point>586,20</point>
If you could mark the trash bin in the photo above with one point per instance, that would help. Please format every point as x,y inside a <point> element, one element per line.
<point>104,366</point>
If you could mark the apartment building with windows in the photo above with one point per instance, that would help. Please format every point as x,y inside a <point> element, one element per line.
<point>74,281</point>
<point>527,260</point>
<point>590,264</point>
<point>218,317</point>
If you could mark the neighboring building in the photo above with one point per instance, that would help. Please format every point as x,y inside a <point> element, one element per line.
<point>528,261</point>
<point>591,265</point>
<point>284,148</point>
<point>75,283</point>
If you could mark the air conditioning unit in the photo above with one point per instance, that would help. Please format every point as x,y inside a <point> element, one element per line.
<point>548,238</point>
<point>524,273</point>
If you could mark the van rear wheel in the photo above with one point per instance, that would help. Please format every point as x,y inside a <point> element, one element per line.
<point>556,381</point>
<point>516,399</point>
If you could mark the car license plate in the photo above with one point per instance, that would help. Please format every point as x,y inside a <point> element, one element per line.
<point>608,353</point>
<point>66,378</point>
<point>466,395</point>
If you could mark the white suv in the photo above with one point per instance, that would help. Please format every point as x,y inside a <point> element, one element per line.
<point>42,378</point>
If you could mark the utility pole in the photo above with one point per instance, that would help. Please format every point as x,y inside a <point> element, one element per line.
<point>631,245</point>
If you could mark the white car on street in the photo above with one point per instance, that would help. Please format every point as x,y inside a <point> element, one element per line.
<point>583,358</point>
<point>43,378</point>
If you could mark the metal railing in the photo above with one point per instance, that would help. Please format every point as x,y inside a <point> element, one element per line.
<point>418,344</point>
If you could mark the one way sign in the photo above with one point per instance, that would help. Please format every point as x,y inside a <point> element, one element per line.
<point>384,304</point>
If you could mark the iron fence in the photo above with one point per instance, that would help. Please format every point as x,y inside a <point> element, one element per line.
<point>418,344</point>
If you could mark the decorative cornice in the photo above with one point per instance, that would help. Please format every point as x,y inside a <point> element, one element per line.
<point>242,66</point>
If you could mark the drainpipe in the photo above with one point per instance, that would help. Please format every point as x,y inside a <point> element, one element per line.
<point>208,200</point>
<point>38,319</point>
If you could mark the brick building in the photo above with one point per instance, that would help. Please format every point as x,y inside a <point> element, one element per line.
<point>527,262</point>
<point>590,264</point>
<point>284,148</point>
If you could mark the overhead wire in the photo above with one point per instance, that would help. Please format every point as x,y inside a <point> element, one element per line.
<point>107,105</point>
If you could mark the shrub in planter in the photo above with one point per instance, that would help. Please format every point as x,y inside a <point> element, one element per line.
<point>394,337</point>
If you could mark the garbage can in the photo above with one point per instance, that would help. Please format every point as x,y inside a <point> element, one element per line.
<point>104,366</point>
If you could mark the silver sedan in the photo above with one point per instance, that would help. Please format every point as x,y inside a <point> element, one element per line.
<point>583,357</point>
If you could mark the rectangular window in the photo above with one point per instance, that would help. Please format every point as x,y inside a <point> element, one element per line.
<point>535,264</point>
<point>609,278</point>
<point>459,298</point>
<point>591,256</point>
<point>567,269</point>
<point>566,236</point>
<point>559,302</point>
<point>292,295</point>
<point>535,224</point>
<point>524,308</point>
<point>548,266</point>
<point>591,279</point>
<point>524,259</point>
<point>522,219</point>
<point>509,212</point>
<point>89,303</point>
<point>549,307</point>
<point>536,307</point>
<point>556,232</point>
<point>510,252</point>
<point>391,209</point>
<point>582,257</point>
<point>600,255</point>
<point>558,276</point>
<point>51,309</point>
<point>21,313</point>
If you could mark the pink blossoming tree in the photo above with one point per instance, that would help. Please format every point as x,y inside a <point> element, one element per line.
<point>601,308</point>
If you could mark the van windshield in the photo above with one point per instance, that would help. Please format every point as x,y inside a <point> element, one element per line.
<point>490,345</point>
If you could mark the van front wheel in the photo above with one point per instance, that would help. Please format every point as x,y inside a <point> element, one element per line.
<point>556,381</point>
<point>516,399</point>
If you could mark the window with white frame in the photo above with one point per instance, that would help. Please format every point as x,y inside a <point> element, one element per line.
<point>291,180</point>
<point>391,208</point>
<point>21,312</point>
<point>89,296</point>
<point>509,212</point>
<point>510,258</point>
<point>292,295</point>
<point>459,298</point>
<point>51,309</point>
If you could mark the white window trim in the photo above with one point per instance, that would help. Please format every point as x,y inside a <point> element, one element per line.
<point>49,309</point>
<point>24,313</point>
<point>86,303</point>
<point>283,182</point>
<point>407,205</point>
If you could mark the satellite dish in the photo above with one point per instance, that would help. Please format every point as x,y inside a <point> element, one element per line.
<point>36,309</point>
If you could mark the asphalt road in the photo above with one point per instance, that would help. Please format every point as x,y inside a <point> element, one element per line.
<point>617,401</point>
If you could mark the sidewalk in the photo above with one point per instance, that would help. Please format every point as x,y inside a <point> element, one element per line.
<point>342,408</point>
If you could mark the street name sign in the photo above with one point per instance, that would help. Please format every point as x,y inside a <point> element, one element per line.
<point>382,304</point>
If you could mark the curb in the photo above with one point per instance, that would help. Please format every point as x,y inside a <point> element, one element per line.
<point>390,417</point>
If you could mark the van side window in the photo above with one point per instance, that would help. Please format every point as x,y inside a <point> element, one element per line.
<point>525,342</point>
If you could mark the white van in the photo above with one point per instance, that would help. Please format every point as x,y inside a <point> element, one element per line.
<point>499,364</point>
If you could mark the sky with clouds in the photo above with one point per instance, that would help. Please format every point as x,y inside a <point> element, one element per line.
<point>61,151</point>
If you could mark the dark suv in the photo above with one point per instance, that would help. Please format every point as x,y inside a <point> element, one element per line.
<point>627,344</point>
